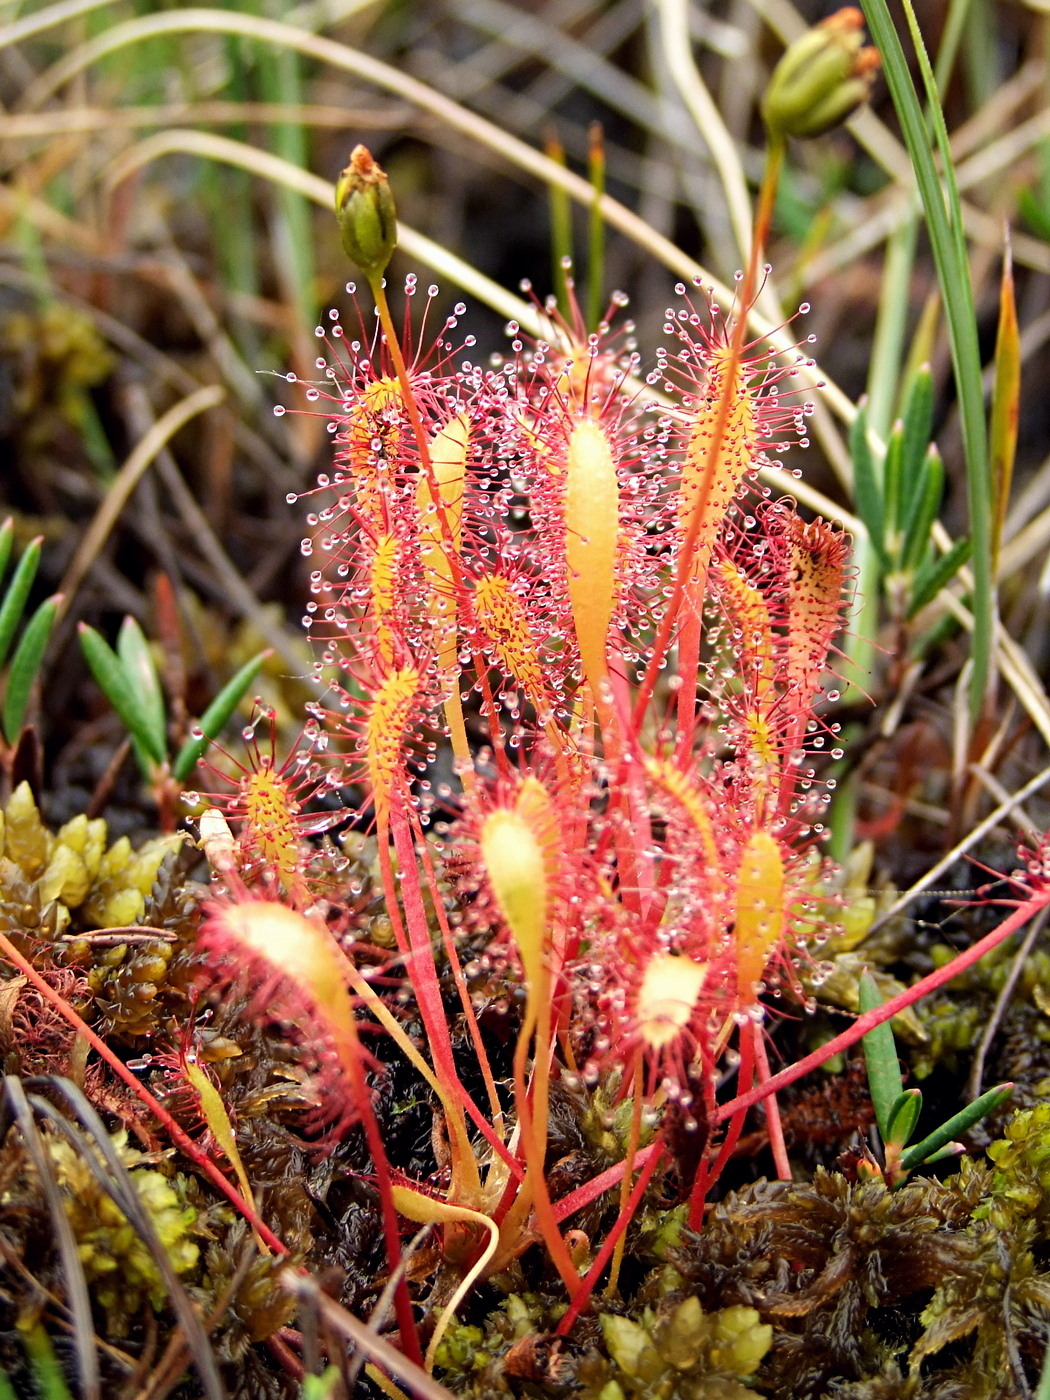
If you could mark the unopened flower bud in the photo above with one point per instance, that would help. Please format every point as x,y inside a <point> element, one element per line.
<point>365,209</point>
<point>823,77</point>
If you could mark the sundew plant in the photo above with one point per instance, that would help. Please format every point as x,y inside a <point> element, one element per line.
<point>580,664</point>
<point>444,1041</point>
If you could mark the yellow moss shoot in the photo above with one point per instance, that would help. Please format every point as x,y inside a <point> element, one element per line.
<point>384,732</point>
<point>759,910</point>
<point>592,512</point>
<point>667,998</point>
<point>517,846</point>
<point>710,479</point>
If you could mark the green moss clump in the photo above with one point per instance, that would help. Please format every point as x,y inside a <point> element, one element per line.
<point>121,1271</point>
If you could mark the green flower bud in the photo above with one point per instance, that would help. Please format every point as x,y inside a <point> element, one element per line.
<point>823,77</point>
<point>365,209</point>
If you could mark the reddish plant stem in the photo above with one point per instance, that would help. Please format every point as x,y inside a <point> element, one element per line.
<point>773,1123</point>
<point>863,1024</point>
<point>707,1176</point>
<point>181,1139</point>
<point>582,1297</point>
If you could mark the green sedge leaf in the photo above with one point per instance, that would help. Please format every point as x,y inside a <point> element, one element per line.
<point>867,490</point>
<point>934,576</point>
<point>880,1057</point>
<point>923,511</point>
<point>891,473</point>
<point>960,1123</point>
<point>917,427</point>
<point>216,715</point>
<point>120,690</point>
<point>137,660</point>
<point>25,664</point>
<point>7,539</point>
<point>17,594</point>
<point>1006,400</point>
<point>902,1118</point>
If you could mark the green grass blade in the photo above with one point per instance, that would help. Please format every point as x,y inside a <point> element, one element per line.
<point>216,715</point>
<point>25,664</point>
<point>119,689</point>
<point>17,594</point>
<point>955,1126</point>
<point>902,1118</point>
<point>918,428</point>
<point>924,509</point>
<point>867,489</point>
<point>7,539</point>
<point>137,660</point>
<point>937,574</point>
<point>880,1057</point>
<point>561,227</point>
<point>892,472</point>
<point>944,220</point>
<point>43,1363</point>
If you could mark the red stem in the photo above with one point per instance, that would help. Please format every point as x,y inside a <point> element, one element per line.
<point>625,1217</point>
<point>863,1024</point>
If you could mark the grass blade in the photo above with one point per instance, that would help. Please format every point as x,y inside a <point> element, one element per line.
<point>17,594</point>
<point>561,226</point>
<point>137,659</point>
<point>119,689</point>
<point>944,220</point>
<point>596,228</point>
<point>936,575</point>
<point>26,663</point>
<point>867,488</point>
<point>947,1132</point>
<point>880,1056</point>
<point>925,506</point>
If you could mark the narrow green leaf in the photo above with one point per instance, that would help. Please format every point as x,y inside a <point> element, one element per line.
<point>902,1118</point>
<point>44,1365</point>
<point>119,689</point>
<point>936,575</point>
<point>947,1132</point>
<point>595,227</point>
<point>923,510</point>
<point>216,715</point>
<point>24,665</point>
<point>137,659</point>
<point>7,539</point>
<point>561,227</point>
<point>867,489</point>
<point>947,240</point>
<point>918,426</point>
<point>1006,399</point>
<point>17,594</point>
<point>880,1056</point>
<point>892,472</point>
